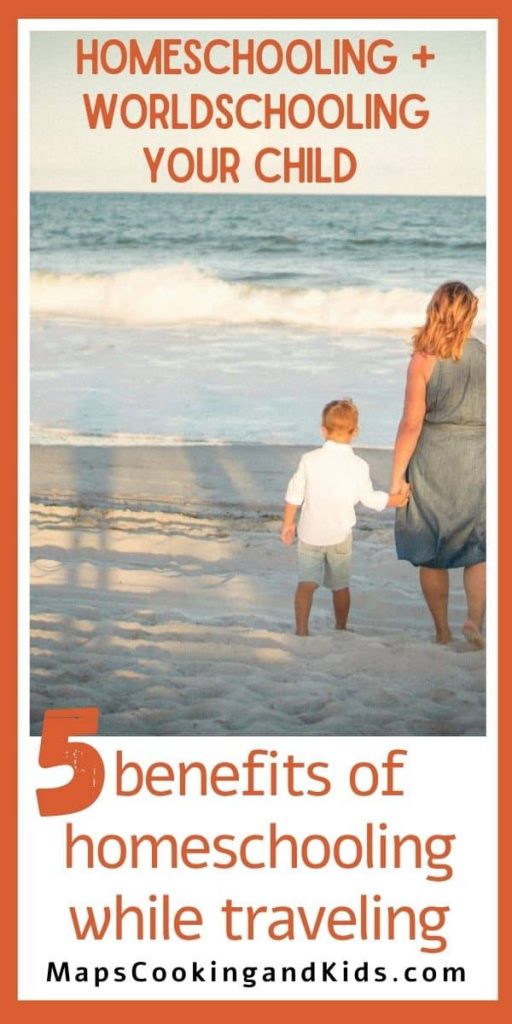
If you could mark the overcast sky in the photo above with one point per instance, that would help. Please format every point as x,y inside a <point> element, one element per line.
<point>445,157</point>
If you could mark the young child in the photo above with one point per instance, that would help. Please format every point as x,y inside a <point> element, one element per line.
<point>328,483</point>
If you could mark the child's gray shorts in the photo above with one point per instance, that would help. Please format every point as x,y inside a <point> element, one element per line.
<point>328,565</point>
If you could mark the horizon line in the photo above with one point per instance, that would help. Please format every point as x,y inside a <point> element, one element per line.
<point>190,192</point>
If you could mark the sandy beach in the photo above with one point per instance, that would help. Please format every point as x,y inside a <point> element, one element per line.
<point>161,593</point>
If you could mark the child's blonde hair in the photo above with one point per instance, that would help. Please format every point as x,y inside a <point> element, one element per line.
<point>340,417</point>
<point>450,315</point>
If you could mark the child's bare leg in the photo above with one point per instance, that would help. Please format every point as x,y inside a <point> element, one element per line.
<point>341,605</point>
<point>474,585</point>
<point>303,602</point>
<point>435,587</point>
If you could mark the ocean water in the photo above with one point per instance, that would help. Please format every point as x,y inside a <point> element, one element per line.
<point>233,318</point>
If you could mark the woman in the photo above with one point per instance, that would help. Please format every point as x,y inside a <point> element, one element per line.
<point>440,452</point>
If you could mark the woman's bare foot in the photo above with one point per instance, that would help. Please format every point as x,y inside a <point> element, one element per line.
<point>444,638</point>
<point>473,635</point>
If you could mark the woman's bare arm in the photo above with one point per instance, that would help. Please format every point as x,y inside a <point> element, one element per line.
<point>409,430</point>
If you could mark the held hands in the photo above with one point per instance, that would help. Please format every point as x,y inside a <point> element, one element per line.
<point>399,497</point>
<point>288,534</point>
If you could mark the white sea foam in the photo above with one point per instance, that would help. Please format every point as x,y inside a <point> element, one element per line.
<point>121,439</point>
<point>182,294</point>
<point>60,436</point>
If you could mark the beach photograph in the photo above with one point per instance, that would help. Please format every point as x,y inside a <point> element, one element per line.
<point>182,348</point>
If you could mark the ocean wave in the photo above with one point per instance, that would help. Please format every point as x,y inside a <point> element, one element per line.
<point>184,294</point>
<point>62,437</point>
<point>58,436</point>
<point>414,244</point>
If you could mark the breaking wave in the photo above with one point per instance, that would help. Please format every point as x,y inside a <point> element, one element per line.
<point>184,294</point>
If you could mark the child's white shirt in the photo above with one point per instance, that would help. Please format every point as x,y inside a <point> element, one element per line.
<point>328,483</point>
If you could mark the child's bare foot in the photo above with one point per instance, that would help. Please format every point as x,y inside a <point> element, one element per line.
<point>473,635</point>
<point>444,637</point>
<point>301,632</point>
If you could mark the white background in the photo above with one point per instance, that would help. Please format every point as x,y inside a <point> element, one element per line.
<point>449,788</point>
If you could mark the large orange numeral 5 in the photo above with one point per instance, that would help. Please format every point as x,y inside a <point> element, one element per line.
<point>56,749</point>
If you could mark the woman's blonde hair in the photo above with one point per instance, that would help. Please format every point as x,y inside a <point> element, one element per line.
<point>450,315</point>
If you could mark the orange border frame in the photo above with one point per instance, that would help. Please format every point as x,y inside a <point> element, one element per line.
<point>394,1012</point>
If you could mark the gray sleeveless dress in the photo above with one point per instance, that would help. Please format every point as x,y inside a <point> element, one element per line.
<point>443,526</point>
